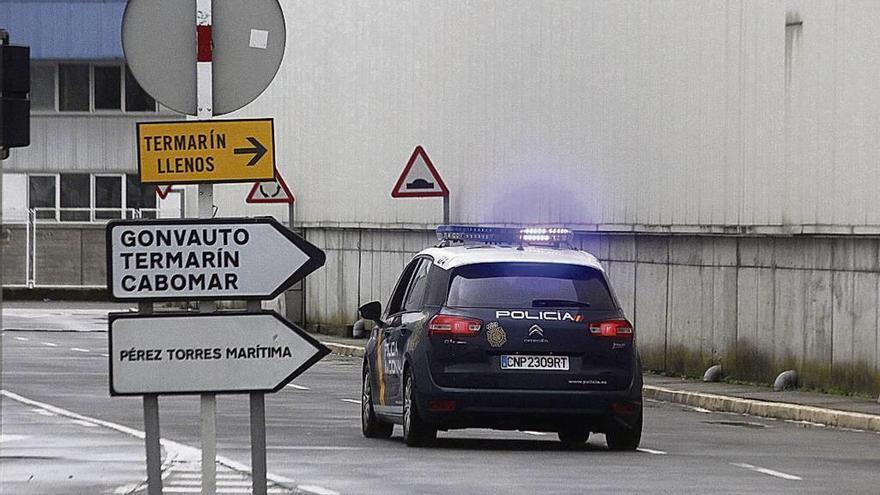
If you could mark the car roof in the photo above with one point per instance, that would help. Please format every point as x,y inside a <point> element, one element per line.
<point>455,256</point>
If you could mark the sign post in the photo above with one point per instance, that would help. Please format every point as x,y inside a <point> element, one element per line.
<point>160,260</point>
<point>420,179</point>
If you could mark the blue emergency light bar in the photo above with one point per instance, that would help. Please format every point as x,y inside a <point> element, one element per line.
<point>504,235</point>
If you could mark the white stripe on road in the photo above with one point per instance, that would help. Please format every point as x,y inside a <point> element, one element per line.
<point>220,483</point>
<point>79,349</point>
<point>198,475</point>
<point>297,387</point>
<point>651,451</point>
<point>353,401</point>
<point>50,344</point>
<point>196,489</point>
<point>758,469</point>
<point>105,355</point>
<point>24,339</point>
<point>173,449</point>
<point>535,433</point>
<point>83,423</point>
<point>42,412</point>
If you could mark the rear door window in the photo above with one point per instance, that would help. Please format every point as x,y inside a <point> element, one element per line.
<point>529,285</point>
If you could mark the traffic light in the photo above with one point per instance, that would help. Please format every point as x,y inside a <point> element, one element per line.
<point>15,107</point>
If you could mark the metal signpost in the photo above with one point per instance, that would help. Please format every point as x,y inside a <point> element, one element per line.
<point>181,61</point>
<point>420,179</point>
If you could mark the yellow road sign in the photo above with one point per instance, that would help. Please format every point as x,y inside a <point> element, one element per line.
<point>187,152</point>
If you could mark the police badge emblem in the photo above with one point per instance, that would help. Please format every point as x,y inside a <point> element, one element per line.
<point>495,334</point>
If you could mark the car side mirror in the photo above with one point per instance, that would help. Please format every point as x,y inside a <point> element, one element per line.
<point>371,311</point>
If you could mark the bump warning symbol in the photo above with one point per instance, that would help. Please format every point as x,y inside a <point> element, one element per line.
<point>270,191</point>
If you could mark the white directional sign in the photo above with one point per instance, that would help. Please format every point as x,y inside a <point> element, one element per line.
<point>177,353</point>
<point>234,258</point>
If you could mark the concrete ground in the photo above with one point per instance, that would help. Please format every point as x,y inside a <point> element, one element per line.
<point>54,383</point>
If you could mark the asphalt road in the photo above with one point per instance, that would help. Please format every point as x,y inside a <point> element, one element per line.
<point>314,438</point>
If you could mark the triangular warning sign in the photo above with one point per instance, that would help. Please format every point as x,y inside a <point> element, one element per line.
<point>164,191</point>
<point>270,191</point>
<point>419,178</point>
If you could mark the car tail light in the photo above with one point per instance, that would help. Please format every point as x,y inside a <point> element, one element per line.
<point>624,408</point>
<point>442,405</point>
<point>454,325</point>
<point>619,329</point>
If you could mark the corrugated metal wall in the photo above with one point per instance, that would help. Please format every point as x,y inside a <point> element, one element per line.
<point>80,143</point>
<point>675,115</point>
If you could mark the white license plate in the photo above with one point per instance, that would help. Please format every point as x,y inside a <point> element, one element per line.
<point>521,362</point>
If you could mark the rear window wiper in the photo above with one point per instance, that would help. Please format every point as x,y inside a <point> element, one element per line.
<point>558,303</point>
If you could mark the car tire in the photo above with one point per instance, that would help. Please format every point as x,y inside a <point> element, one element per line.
<point>416,433</point>
<point>371,426</point>
<point>623,438</point>
<point>573,437</point>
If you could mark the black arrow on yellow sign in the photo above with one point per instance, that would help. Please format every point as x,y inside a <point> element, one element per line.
<point>258,151</point>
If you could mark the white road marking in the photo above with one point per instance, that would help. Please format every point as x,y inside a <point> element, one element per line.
<point>175,451</point>
<point>317,490</point>
<point>79,349</point>
<point>83,423</point>
<point>297,387</point>
<point>197,475</point>
<point>50,344</point>
<point>698,409</point>
<point>105,355</point>
<point>5,437</point>
<point>651,451</point>
<point>24,339</point>
<point>315,447</point>
<point>220,483</point>
<point>535,433</point>
<point>771,472</point>
<point>353,401</point>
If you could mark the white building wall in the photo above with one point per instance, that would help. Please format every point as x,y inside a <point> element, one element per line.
<point>612,115</point>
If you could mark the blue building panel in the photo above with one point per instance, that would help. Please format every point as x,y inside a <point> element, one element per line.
<point>66,29</point>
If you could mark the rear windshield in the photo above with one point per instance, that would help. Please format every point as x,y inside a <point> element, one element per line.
<point>528,285</point>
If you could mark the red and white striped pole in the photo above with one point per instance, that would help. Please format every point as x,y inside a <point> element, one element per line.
<point>204,111</point>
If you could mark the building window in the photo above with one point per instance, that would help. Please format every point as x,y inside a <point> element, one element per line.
<point>108,197</point>
<point>108,87</point>
<point>90,197</point>
<point>42,87</point>
<point>42,196</point>
<point>140,199</point>
<point>86,87</point>
<point>73,88</point>
<point>136,99</point>
<point>75,198</point>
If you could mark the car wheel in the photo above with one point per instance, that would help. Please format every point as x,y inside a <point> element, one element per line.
<point>416,433</point>
<point>574,437</point>
<point>371,426</point>
<point>623,438</point>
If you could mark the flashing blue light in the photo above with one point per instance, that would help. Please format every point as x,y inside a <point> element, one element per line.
<point>503,235</point>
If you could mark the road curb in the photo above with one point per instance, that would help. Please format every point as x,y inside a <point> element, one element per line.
<point>344,349</point>
<point>724,403</point>
<point>778,410</point>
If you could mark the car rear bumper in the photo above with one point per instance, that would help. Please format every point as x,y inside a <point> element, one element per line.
<point>541,410</point>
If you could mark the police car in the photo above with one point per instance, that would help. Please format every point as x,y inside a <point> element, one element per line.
<point>506,329</point>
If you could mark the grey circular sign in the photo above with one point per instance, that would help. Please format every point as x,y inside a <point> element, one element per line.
<point>159,41</point>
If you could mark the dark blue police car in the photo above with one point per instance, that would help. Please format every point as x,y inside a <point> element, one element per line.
<point>506,329</point>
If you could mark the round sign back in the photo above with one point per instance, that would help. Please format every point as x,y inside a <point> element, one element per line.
<point>159,41</point>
